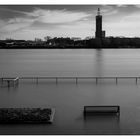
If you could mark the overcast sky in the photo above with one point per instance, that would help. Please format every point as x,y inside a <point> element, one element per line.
<point>30,21</point>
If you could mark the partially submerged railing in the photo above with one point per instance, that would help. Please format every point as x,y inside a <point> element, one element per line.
<point>16,79</point>
<point>80,78</point>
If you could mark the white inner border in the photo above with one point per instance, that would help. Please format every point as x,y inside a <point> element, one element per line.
<point>55,2</point>
<point>69,2</point>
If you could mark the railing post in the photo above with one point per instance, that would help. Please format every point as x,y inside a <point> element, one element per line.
<point>37,80</point>
<point>18,81</point>
<point>8,82</point>
<point>136,80</point>
<point>76,80</point>
<point>2,80</point>
<point>56,80</point>
<point>14,83</point>
<point>96,80</point>
<point>116,80</point>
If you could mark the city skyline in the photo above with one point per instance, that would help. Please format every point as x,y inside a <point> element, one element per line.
<point>31,21</point>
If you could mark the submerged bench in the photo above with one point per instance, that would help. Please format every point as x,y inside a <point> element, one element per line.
<point>26,115</point>
<point>9,80</point>
<point>101,110</point>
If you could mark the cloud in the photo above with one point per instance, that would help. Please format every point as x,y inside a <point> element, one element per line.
<point>2,23</point>
<point>133,17</point>
<point>20,20</point>
<point>39,17</point>
<point>127,25</point>
<point>108,10</point>
<point>12,10</point>
<point>57,16</point>
<point>14,24</point>
<point>122,5</point>
<point>111,12</point>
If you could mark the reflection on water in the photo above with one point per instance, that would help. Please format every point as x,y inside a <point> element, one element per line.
<point>69,98</point>
<point>99,63</point>
<point>98,123</point>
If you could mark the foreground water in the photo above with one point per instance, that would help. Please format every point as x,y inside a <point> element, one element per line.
<point>68,98</point>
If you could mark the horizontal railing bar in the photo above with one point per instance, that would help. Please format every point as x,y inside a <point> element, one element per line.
<point>78,77</point>
<point>71,77</point>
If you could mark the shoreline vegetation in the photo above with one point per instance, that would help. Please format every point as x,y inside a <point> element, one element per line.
<point>70,43</point>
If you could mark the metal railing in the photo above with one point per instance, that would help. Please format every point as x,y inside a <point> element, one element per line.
<point>37,78</point>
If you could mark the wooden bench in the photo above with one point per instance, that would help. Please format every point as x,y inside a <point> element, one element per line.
<point>101,110</point>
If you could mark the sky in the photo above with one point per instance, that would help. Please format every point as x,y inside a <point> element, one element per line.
<point>37,21</point>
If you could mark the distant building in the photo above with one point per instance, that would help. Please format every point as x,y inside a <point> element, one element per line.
<point>88,37</point>
<point>76,38</point>
<point>38,40</point>
<point>99,33</point>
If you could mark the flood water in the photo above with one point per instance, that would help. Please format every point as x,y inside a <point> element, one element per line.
<point>69,98</point>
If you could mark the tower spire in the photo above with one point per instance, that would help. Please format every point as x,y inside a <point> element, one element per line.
<point>98,12</point>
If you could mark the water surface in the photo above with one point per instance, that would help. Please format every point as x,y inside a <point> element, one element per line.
<point>66,97</point>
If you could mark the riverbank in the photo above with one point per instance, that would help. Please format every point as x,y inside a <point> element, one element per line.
<point>71,47</point>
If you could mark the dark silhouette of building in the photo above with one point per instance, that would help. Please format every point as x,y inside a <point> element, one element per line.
<point>99,33</point>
